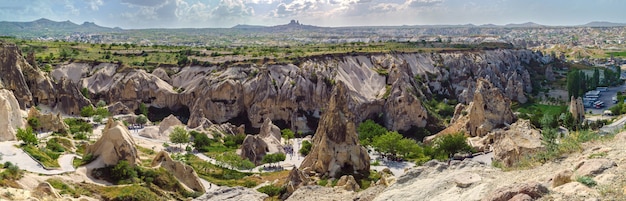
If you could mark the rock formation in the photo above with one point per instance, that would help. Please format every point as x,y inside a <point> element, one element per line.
<point>232,194</point>
<point>490,109</point>
<point>577,109</point>
<point>295,180</point>
<point>184,173</point>
<point>533,190</point>
<point>165,128</point>
<point>115,144</point>
<point>45,190</point>
<point>10,115</point>
<point>347,182</point>
<point>336,149</point>
<point>32,87</point>
<point>48,122</point>
<point>254,147</point>
<point>520,140</point>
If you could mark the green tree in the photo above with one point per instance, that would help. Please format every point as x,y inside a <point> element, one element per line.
<point>141,119</point>
<point>27,136</point>
<point>102,111</point>
<point>595,79</point>
<point>387,143</point>
<point>33,122</point>
<point>306,147</point>
<point>287,134</point>
<point>143,109</point>
<point>200,141</point>
<point>273,158</point>
<point>368,130</point>
<point>123,171</point>
<point>179,135</point>
<point>101,103</point>
<point>573,83</point>
<point>87,111</point>
<point>451,144</point>
<point>85,92</point>
<point>549,121</point>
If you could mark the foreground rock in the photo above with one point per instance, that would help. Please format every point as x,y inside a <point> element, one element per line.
<point>520,140</point>
<point>184,173</point>
<point>10,115</point>
<point>115,144</point>
<point>533,190</point>
<point>319,193</point>
<point>336,147</point>
<point>254,147</point>
<point>295,180</point>
<point>593,167</point>
<point>233,194</point>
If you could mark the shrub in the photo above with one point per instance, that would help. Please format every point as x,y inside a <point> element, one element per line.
<point>271,190</point>
<point>200,141</point>
<point>27,136</point>
<point>123,171</point>
<point>33,122</point>
<point>55,146</point>
<point>287,133</point>
<point>368,130</point>
<point>141,119</point>
<point>587,181</point>
<point>87,111</point>
<point>306,147</point>
<point>452,144</point>
<point>233,141</point>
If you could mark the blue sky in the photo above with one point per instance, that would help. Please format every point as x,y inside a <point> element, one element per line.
<point>227,13</point>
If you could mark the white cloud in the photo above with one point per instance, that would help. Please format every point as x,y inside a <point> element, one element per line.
<point>95,4</point>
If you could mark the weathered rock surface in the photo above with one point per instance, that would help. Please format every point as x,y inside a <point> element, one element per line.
<point>10,116</point>
<point>593,167</point>
<point>165,128</point>
<point>254,147</point>
<point>48,122</point>
<point>45,190</point>
<point>577,109</point>
<point>232,194</point>
<point>336,147</point>
<point>347,182</point>
<point>562,177</point>
<point>115,144</point>
<point>296,94</point>
<point>183,172</point>
<point>573,189</point>
<point>318,193</point>
<point>534,190</point>
<point>32,87</point>
<point>519,140</point>
<point>466,180</point>
<point>295,180</point>
<point>490,109</point>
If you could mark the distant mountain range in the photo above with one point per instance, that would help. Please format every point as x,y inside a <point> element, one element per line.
<point>48,28</point>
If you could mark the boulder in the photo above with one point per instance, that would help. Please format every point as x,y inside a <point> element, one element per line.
<point>574,189</point>
<point>562,177</point>
<point>295,180</point>
<point>183,172</point>
<point>167,124</point>
<point>347,182</point>
<point>336,149</point>
<point>10,116</point>
<point>533,189</point>
<point>233,194</point>
<point>48,122</point>
<point>490,109</point>
<point>521,197</point>
<point>114,145</point>
<point>592,167</point>
<point>466,180</point>
<point>254,147</point>
<point>521,139</point>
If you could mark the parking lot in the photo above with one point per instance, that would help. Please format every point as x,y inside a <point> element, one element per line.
<point>606,97</point>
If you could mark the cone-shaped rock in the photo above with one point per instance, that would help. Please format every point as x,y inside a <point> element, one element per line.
<point>115,144</point>
<point>336,149</point>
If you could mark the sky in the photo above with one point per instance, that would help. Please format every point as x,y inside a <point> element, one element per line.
<point>136,14</point>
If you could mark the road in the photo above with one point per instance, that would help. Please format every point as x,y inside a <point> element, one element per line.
<point>613,127</point>
<point>606,97</point>
<point>18,157</point>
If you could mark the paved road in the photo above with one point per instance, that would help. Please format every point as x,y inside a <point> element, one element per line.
<point>18,157</point>
<point>613,127</point>
<point>606,97</point>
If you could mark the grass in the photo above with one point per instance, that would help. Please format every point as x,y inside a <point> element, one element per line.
<point>529,108</point>
<point>45,157</point>
<point>63,188</point>
<point>587,181</point>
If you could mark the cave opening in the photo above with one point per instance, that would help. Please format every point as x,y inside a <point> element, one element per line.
<point>158,114</point>
<point>242,118</point>
<point>282,124</point>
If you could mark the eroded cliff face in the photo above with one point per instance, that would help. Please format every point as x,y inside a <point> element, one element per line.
<point>33,87</point>
<point>388,86</point>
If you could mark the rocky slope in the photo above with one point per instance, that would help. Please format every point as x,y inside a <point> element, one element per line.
<point>387,86</point>
<point>10,115</point>
<point>32,86</point>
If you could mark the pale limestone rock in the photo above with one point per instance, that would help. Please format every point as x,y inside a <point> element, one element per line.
<point>592,167</point>
<point>183,172</point>
<point>490,109</point>
<point>511,145</point>
<point>562,177</point>
<point>10,116</point>
<point>575,189</point>
<point>114,145</point>
<point>48,122</point>
<point>577,109</point>
<point>254,147</point>
<point>348,183</point>
<point>533,189</point>
<point>336,146</point>
<point>295,180</point>
<point>466,180</point>
<point>232,194</point>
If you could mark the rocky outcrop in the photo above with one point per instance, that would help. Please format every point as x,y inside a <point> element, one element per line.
<point>114,145</point>
<point>336,149</point>
<point>48,122</point>
<point>45,190</point>
<point>577,109</point>
<point>317,193</point>
<point>520,140</point>
<point>490,109</point>
<point>534,190</point>
<point>347,182</point>
<point>165,128</point>
<point>562,177</point>
<point>232,194</point>
<point>295,180</point>
<point>184,173</point>
<point>33,87</point>
<point>254,147</point>
<point>10,116</point>
<point>296,95</point>
<point>593,167</point>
